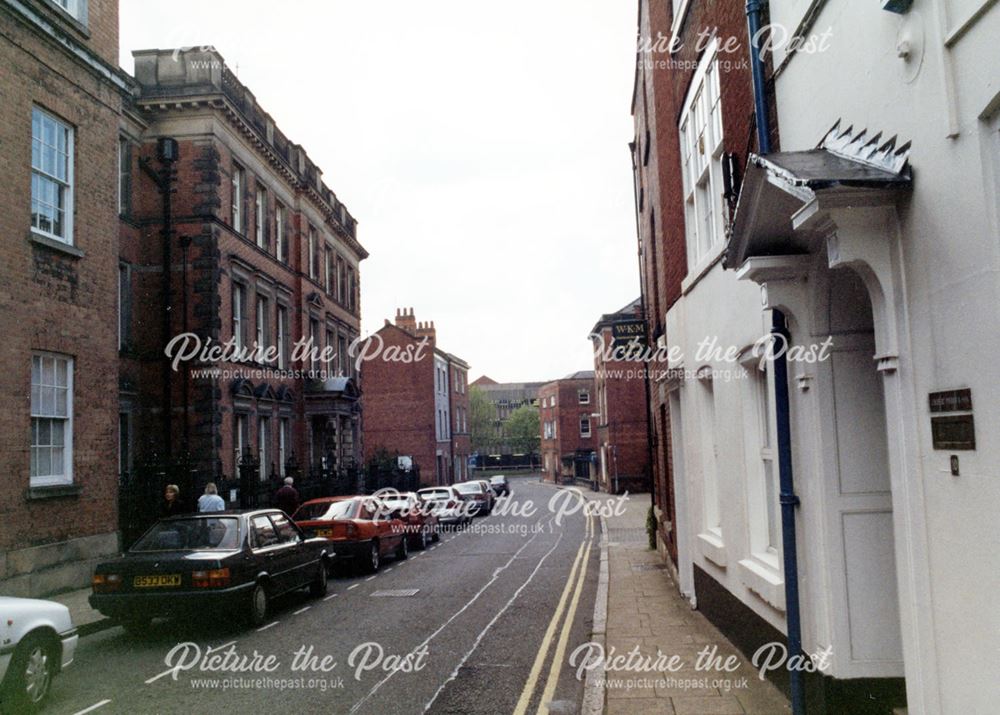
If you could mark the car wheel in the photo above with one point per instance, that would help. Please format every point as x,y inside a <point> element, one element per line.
<point>436,536</point>
<point>403,550</point>
<point>31,671</point>
<point>424,538</point>
<point>372,562</point>
<point>318,586</point>
<point>136,625</point>
<point>257,609</point>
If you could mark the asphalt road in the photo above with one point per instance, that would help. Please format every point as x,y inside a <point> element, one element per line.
<point>477,624</point>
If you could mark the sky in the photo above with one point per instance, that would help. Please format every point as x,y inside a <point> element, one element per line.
<point>482,147</point>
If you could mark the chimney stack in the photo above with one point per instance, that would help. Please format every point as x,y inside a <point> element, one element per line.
<point>405,320</point>
<point>426,329</point>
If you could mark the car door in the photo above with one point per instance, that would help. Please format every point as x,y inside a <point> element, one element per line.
<point>264,546</point>
<point>293,561</point>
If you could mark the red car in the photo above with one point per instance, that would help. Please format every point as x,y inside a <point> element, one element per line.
<point>421,522</point>
<point>361,529</point>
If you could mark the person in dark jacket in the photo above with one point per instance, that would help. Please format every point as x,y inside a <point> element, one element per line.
<point>172,504</point>
<point>287,498</point>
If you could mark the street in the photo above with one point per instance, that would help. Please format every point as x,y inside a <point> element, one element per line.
<point>473,627</point>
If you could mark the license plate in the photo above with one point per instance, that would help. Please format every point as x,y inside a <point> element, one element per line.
<point>159,581</point>
<point>327,533</point>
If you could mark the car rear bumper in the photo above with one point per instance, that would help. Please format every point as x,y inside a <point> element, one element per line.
<point>166,603</point>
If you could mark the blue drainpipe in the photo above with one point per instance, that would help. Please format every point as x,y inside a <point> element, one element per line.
<point>780,337</point>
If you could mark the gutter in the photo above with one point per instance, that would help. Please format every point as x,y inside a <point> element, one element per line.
<point>787,497</point>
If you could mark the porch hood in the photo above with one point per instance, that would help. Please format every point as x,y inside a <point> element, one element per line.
<point>782,190</point>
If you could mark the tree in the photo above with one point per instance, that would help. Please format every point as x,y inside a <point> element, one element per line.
<point>482,421</point>
<point>523,430</point>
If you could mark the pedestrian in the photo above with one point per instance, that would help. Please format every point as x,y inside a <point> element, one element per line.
<point>172,504</point>
<point>287,498</point>
<point>210,500</point>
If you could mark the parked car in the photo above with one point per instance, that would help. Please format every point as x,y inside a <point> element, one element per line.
<point>229,563</point>
<point>362,533</point>
<point>479,494</point>
<point>447,504</point>
<point>37,640</point>
<point>489,493</point>
<point>500,485</point>
<point>421,523</point>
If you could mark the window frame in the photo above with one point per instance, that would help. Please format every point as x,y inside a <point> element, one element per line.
<point>35,412</point>
<point>68,184</point>
<point>237,219</point>
<point>239,322</point>
<point>260,216</point>
<point>585,422</point>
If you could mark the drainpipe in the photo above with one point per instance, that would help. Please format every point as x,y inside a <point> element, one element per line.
<point>779,334</point>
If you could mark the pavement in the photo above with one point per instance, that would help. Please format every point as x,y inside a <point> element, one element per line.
<point>647,615</point>
<point>85,618</point>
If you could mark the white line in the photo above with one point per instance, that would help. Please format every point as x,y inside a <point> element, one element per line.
<point>207,652</point>
<point>353,585</point>
<point>392,567</point>
<point>92,707</point>
<point>479,638</point>
<point>496,574</point>
<point>269,625</point>
<point>370,578</point>
<point>302,610</point>
<point>332,595</point>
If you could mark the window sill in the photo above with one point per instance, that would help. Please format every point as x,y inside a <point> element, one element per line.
<point>763,581</point>
<point>40,239</point>
<point>713,548</point>
<point>53,491</point>
<point>702,267</point>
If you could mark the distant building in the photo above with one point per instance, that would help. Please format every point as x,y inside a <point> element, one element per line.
<point>418,409</point>
<point>623,444</point>
<point>568,428</point>
<point>506,397</point>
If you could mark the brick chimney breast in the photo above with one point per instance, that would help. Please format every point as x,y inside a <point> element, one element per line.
<point>405,320</point>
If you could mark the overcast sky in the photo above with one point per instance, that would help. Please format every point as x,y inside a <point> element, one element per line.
<point>482,146</point>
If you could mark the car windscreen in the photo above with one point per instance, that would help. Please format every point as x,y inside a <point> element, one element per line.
<point>195,534</point>
<point>469,488</point>
<point>435,494</point>
<point>326,511</point>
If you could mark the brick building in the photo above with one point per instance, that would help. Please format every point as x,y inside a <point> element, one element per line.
<point>62,96</point>
<point>620,385</point>
<point>417,407</point>
<point>568,426</point>
<point>262,254</point>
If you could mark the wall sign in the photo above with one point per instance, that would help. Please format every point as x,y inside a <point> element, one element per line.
<point>626,331</point>
<point>956,429</point>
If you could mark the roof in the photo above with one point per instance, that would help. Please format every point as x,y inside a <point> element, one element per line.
<point>484,380</point>
<point>778,186</point>
<point>580,375</point>
<point>630,312</point>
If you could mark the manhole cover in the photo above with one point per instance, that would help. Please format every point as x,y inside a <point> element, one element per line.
<point>398,593</point>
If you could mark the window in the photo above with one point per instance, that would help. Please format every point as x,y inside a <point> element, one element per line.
<point>765,521</point>
<point>351,290</point>
<point>239,315</point>
<point>282,337</point>
<point>239,181</point>
<point>314,345</point>
<point>76,8</point>
<point>281,244</point>
<point>709,449</point>
<point>51,419</point>
<point>241,440</point>
<point>331,344</point>
<point>311,247</point>
<point>700,131</point>
<point>284,440</point>
<point>343,359</point>
<point>263,437</point>
<point>260,217</point>
<point>341,282</point>
<point>263,328</point>
<point>124,176</point>
<point>51,176</point>
<point>124,305</point>
<point>584,397</point>
<point>327,271</point>
<point>584,426</point>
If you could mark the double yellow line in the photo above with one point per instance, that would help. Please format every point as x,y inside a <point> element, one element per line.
<point>574,584</point>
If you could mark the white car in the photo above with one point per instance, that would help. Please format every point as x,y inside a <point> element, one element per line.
<point>446,504</point>
<point>37,640</point>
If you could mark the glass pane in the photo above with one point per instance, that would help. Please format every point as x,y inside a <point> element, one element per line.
<point>771,498</point>
<point>57,465</point>
<point>44,436</point>
<point>48,371</point>
<point>36,401</point>
<point>61,372</point>
<point>34,461</point>
<point>57,433</point>
<point>43,465</point>
<point>48,401</point>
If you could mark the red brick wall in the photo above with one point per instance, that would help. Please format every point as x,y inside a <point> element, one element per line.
<point>566,413</point>
<point>52,301</point>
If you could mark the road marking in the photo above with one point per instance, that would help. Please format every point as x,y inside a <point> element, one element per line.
<point>207,652</point>
<point>543,650</point>
<point>550,686</point>
<point>332,595</point>
<point>482,634</point>
<point>269,625</point>
<point>370,578</point>
<point>302,610</point>
<point>392,567</point>
<point>92,707</point>
<point>353,585</point>
<point>456,614</point>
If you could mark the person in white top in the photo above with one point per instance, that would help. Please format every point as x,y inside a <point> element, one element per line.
<point>210,500</point>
